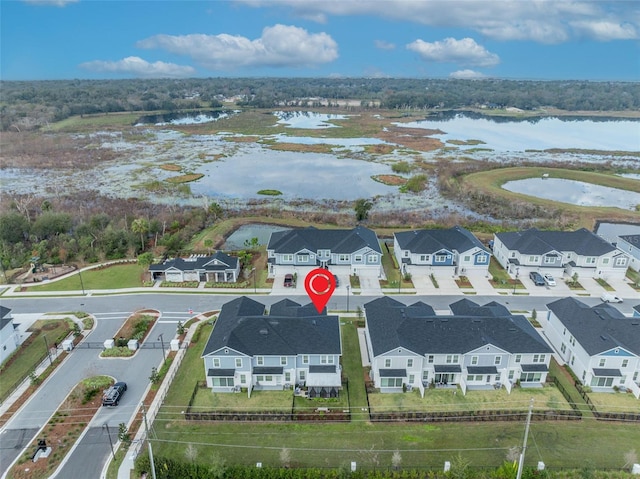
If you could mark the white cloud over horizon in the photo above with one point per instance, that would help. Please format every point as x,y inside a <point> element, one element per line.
<point>542,21</point>
<point>141,68</point>
<point>463,52</point>
<point>466,75</point>
<point>279,46</point>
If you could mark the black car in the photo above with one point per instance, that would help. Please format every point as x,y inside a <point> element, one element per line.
<point>112,396</point>
<point>288,280</point>
<point>537,278</point>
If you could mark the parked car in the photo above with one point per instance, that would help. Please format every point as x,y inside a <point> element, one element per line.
<point>288,280</point>
<point>549,279</point>
<point>112,396</point>
<point>537,278</point>
<point>610,298</point>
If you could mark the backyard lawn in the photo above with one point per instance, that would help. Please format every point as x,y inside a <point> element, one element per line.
<point>112,277</point>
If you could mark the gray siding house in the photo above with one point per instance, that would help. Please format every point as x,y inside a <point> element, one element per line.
<point>453,251</point>
<point>599,343</point>
<point>559,253</point>
<point>218,268</point>
<point>357,248</point>
<point>9,337</point>
<point>478,347</point>
<point>291,346</point>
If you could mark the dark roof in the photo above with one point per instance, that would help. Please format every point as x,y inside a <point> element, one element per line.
<point>482,370</point>
<point>221,373</point>
<point>392,373</point>
<point>313,239</point>
<point>466,307</point>
<point>633,240</point>
<point>217,262</point>
<point>599,328</point>
<point>432,241</point>
<point>5,317</point>
<point>534,241</point>
<point>447,368</point>
<point>534,368</point>
<point>609,373</point>
<point>243,327</point>
<point>268,370</point>
<point>321,368</point>
<point>290,308</point>
<point>417,328</point>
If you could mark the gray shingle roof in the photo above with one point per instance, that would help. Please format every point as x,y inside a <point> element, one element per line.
<point>5,317</point>
<point>598,328</point>
<point>202,263</point>
<point>534,241</point>
<point>466,307</point>
<point>313,239</point>
<point>243,327</point>
<point>392,324</point>
<point>434,240</point>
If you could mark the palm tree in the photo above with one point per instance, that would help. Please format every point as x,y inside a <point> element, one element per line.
<point>141,226</point>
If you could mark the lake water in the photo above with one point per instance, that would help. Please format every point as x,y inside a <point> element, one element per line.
<point>536,134</point>
<point>575,192</point>
<point>181,118</point>
<point>236,240</point>
<point>307,119</point>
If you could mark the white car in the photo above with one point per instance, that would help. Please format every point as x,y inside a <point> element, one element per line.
<point>549,279</point>
<point>610,298</point>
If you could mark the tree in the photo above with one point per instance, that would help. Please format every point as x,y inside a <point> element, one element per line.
<point>13,228</point>
<point>145,259</point>
<point>208,243</point>
<point>141,226</point>
<point>362,207</point>
<point>123,434</point>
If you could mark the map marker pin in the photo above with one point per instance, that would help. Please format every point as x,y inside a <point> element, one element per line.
<point>320,285</point>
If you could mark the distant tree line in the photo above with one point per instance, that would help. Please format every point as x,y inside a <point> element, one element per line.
<point>29,105</point>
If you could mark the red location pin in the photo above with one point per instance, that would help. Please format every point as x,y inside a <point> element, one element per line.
<point>320,285</point>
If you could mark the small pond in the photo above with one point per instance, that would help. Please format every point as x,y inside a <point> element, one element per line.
<point>181,118</point>
<point>236,240</point>
<point>307,119</point>
<point>575,192</point>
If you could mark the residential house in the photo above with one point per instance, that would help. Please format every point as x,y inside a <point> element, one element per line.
<point>291,346</point>
<point>357,248</point>
<point>453,251</point>
<point>624,236</point>
<point>477,347</point>
<point>9,337</point>
<point>559,253</point>
<point>218,268</point>
<point>599,343</point>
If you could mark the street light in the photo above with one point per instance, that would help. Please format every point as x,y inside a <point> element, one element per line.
<point>106,426</point>
<point>347,298</point>
<point>253,271</point>
<point>81,282</point>
<point>48,350</point>
<point>161,339</point>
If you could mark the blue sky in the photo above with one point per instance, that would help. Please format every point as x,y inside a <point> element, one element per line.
<point>513,39</point>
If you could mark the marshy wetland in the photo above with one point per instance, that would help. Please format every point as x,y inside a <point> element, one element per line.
<point>316,160</point>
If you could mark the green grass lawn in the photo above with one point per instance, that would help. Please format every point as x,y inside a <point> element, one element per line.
<point>205,400</point>
<point>615,402</point>
<point>352,365</point>
<point>391,270</point>
<point>445,400</point>
<point>32,352</point>
<point>113,277</point>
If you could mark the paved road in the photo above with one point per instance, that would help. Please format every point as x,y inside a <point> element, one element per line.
<point>91,453</point>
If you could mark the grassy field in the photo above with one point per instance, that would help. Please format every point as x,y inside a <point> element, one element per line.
<point>116,276</point>
<point>32,352</point>
<point>491,183</point>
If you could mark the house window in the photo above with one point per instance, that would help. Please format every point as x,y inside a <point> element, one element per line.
<point>482,258</point>
<point>625,363</point>
<point>452,359</point>
<point>287,258</point>
<point>243,379</point>
<point>372,258</point>
<point>238,362</point>
<point>549,259</point>
<point>621,261</point>
<point>513,254</point>
<point>425,376</point>
<point>539,358</point>
<point>511,374</point>
<point>305,359</point>
<point>564,331</point>
<point>563,348</point>
<point>474,377</point>
<point>602,362</point>
<point>425,258</point>
<point>357,258</point>
<point>406,253</point>
<point>590,260</point>
<point>326,359</point>
<point>534,259</point>
<point>324,253</point>
<point>530,377</point>
<point>440,258</point>
<point>390,382</point>
<point>303,375</point>
<point>260,360</point>
<point>430,359</point>
<point>303,258</point>
<point>497,360</point>
<point>283,360</point>
<point>606,260</point>
<point>474,360</point>
<point>344,258</point>
<point>518,358</point>
<point>387,363</point>
<point>602,382</point>
<point>287,377</point>
<point>467,258</point>
<point>410,363</point>
<point>573,360</point>
<point>572,340</point>
<point>222,382</point>
<point>216,362</point>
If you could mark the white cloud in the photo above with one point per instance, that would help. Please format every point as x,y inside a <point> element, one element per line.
<point>52,3</point>
<point>466,74</point>
<point>382,45</point>
<point>141,68</point>
<point>543,21</point>
<point>464,52</point>
<point>279,46</point>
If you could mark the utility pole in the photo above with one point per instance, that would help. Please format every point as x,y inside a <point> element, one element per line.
<point>146,429</point>
<point>46,343</point>
<point>524,444</point>
<point>106,426</point>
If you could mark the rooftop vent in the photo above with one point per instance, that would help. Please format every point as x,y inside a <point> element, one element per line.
<point>264,332</point>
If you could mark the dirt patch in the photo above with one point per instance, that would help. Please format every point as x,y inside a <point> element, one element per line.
<point>414,138</point>
<point>391,180</point>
